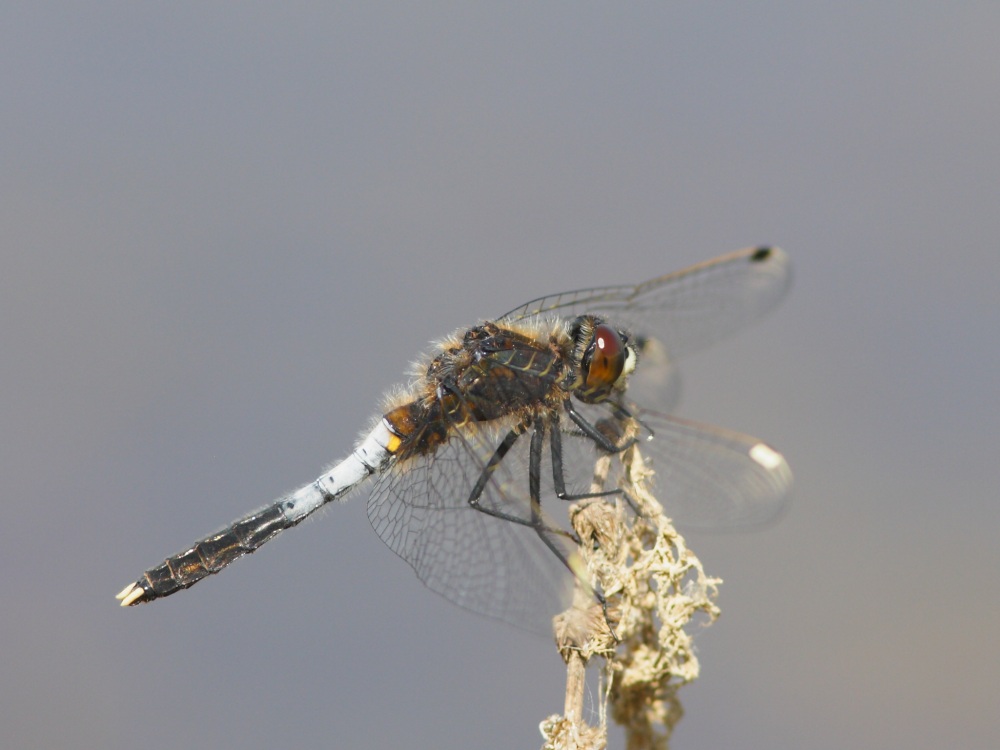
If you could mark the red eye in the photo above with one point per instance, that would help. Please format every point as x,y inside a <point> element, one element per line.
<point>605,357</point>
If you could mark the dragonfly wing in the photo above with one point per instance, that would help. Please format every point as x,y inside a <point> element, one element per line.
<point>686,310</point>
<point>711,478</point>
<point>420,508</point>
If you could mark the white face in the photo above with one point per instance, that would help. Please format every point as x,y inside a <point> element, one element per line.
<point>631,360</point>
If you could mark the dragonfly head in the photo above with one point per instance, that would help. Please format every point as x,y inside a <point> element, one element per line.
<point>606,358</point>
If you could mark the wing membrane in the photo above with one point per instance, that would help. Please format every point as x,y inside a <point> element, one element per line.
<point>686,310</point>
<point>498,568</point>
<point>711,478</point>
<point>705,477</point>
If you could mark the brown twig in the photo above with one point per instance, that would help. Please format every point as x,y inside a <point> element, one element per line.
<point>654,586</point>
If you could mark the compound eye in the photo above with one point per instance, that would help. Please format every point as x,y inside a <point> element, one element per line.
<point>605,357</point>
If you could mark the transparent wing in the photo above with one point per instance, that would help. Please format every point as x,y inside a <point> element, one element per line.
<point>705,477</point>
<point>711,478</point>
<point>420,509</point>
<point>686,310</point>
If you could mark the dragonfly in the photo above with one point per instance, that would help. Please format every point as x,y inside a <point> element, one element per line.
<point>503,421</point>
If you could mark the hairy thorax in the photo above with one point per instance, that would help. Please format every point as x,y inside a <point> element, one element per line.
<point>487,374</point>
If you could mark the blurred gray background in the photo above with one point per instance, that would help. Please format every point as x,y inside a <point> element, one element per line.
<point>226,230</point>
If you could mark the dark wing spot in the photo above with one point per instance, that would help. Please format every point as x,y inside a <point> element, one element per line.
<point>761,253</point>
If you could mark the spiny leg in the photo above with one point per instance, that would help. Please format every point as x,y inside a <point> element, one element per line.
<point>536,521</point>
<point>534,487</point>
<point>603,442</point>
<point>534,474</point>
<point>559,476</point>
<point>534,471</point>
<point>535,494</point>
<point>588,429</point>
<point>624,415</point>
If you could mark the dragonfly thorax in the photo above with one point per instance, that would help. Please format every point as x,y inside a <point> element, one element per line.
<point>493,373</point>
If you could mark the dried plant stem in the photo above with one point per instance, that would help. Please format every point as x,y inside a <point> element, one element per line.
<point>576,682</point>
<point>654,585</point>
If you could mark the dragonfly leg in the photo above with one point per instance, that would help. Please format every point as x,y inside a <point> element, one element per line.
<point>558,475</point>
<point>534,484</point>
<point>536,521</point>
<point>588,429</point>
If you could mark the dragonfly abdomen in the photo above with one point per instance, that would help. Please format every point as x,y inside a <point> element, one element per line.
<point>213,553</point>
